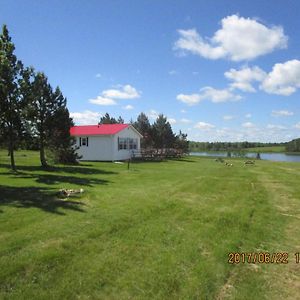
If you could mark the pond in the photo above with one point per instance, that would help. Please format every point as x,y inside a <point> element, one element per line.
<point>266,156</point>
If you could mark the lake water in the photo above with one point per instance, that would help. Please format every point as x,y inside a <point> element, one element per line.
<point>266,156</point>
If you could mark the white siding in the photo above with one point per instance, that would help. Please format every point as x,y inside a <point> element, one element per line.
<point>126,133</point>
<point>99,148</point>
<point>105,147</point>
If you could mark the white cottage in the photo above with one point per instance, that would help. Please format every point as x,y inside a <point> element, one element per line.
<point>106,142</point>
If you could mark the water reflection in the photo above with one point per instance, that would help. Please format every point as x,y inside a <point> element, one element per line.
<point>266,156</point>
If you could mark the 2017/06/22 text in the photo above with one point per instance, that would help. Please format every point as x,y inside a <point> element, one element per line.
<point>262,257</point>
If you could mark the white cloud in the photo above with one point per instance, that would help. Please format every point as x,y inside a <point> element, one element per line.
<point>227,118</point>
<point>284,79</point>
<point>243,78</point>
<point>128,107</point>
<point>243,86</point>
<point>108,97</point>
<point>189,99</point>
<point>98,75</point>
<point>173,72</point>
<point>209,93</point>
<point>248,116</point>
<point>276,127</point>
<point>124,92</point>
<point>102,101</point>
<point>204,126</point>
<point>185,121</point>
<point>282,113</point>
<point>183,111</point>
<point>248,125</point>
<point>191,41</point>
<point>297,125</point>
<point>153,114</point>
<point>217,96</point>
<point>270,133</point>
<point>238,39</point>
<point>172,121</point>
<point>86,117</point>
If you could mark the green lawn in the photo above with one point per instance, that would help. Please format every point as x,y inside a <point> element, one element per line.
<point>161,230</point>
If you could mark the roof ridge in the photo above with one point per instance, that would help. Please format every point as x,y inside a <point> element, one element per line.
<point>111,129</point>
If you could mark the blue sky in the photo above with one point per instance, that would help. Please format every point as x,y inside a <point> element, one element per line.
<point>219,70</point>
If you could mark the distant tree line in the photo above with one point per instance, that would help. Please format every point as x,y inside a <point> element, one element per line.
<point>33,115</point>
<point>228,146</point>
<point>158,136</point>
<point>293,146</point>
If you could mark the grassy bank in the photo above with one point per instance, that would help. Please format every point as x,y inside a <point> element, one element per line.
<point>160,230</point>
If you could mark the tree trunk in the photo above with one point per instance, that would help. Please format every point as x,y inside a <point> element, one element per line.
<point>42,146</point>
<point>11,151</point>
<point>12,160</point>
<point>42,154</point>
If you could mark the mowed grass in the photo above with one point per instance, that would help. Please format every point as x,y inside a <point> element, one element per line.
<point>160,230</point>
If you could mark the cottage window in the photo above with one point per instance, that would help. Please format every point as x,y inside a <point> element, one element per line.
<point>127,143</point>
<point>84,141</point>
<point>132,143</point>
<point>122,144</point>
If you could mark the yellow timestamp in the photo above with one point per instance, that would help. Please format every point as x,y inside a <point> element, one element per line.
<point>262,257</point>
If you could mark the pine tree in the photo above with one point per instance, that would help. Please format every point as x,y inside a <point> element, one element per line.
<point>120,120</point>
<point>181,143</point>
<point>42,105</point>
<point>163,135</point>
<point>106,119</point>
<point>59,140</point>
<point>30,134</point>
<point>143,126</point>
<point>11,101</point>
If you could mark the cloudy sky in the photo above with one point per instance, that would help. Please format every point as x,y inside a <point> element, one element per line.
<point>219,70</point>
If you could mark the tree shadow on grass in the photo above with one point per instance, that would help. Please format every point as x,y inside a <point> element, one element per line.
<point>43,198</point>
<point>58,179</point>
<point>77,169</point>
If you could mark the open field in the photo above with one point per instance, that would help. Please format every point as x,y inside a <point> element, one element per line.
<point>161,230</point>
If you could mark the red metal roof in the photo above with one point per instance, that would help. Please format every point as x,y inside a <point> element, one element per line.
<point>103,129</point>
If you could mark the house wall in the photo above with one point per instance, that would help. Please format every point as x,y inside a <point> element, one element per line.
<point>99,148</point>
<point>126,133</point>
<point>105,147</point>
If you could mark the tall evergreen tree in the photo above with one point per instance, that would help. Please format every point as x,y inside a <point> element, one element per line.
<point>163,135</point>
<point>30,135</point>
<point>11,101</point>
<point>43,103</point>
<point>120,120</point>
<point>181,143</point>
<point>106,119</point>
<point>60,142</point>
<point>143,126</point>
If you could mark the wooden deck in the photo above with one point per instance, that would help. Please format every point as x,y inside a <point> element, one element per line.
<point>156,154</point>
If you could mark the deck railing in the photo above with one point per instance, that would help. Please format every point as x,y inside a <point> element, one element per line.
<point>156,154</point>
